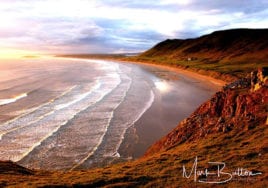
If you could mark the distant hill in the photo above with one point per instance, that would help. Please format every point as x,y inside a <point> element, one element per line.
<point>218,45</point>
<point>233,52</point>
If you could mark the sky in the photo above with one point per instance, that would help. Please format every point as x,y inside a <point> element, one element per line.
<point>117,26</point>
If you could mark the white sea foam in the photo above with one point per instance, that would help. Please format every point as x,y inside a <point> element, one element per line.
<point>29,111</point>
<point>30,116</point>
<point>13,99</point>
<point>25,153</point>
<point>122,98</point>
<point>118,131</point>
<point>78,98</point>
<point>146,107</point>
<point>43,127</point>
<point>2,133</point>
<point>29,130</point>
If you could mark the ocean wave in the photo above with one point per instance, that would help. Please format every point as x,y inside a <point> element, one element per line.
<point>124,91</point>
<point>47,109</point>
<point>30,116</point>
<point>37,129</point>
<point>146,107</point>
<point>25,112</point>
<point>112,138</point>
<point>78,98</point>
<point>13,99</point>
<point>56,117</point>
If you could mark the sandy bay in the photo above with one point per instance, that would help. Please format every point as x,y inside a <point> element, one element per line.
<point>121,108</point>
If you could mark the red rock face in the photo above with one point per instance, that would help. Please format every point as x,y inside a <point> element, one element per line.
<point>237,107</point>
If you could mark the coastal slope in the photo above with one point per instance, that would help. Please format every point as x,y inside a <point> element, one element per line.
<point>226,55</point>
<point>229,129</point>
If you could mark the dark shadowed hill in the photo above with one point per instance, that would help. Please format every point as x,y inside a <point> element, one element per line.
<point>218,45</point>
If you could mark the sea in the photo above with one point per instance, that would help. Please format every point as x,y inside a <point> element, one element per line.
<point>69,114</point>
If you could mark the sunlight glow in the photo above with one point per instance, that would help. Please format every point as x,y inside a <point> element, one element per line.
<point>15,54</point>
<point>162,86</point>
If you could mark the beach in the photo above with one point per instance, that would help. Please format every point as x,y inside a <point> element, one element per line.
<point>58,113</point>
<point>186,91</point>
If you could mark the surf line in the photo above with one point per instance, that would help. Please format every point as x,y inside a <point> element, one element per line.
<point>13,99</point>
<point>29,150</point>
<point>13,121</point>
<point>146,107</point>
<point>56,108</point>
<point>38,107</point>
<point>106,128</point>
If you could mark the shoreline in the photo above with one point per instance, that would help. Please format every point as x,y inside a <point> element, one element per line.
<point>165,99</point>
<point>140,129</point>
<point>138,133</point>
<point>190,73</point>
<point>179,70</point>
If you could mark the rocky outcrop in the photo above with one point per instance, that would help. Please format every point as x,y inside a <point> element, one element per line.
<point>241,105</point>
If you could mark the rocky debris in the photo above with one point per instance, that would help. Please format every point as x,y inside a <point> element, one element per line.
<point>255,81</point>
<point>259,78</point>
<point>238,84</point>
<point>241,105</point>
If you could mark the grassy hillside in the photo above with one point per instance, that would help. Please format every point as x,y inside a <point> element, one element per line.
<point>228,54</point>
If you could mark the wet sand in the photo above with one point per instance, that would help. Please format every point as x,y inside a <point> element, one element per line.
<point>185,72</point>
<point>169,108</point>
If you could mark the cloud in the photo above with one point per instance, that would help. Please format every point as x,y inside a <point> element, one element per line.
<point>91,26</point>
